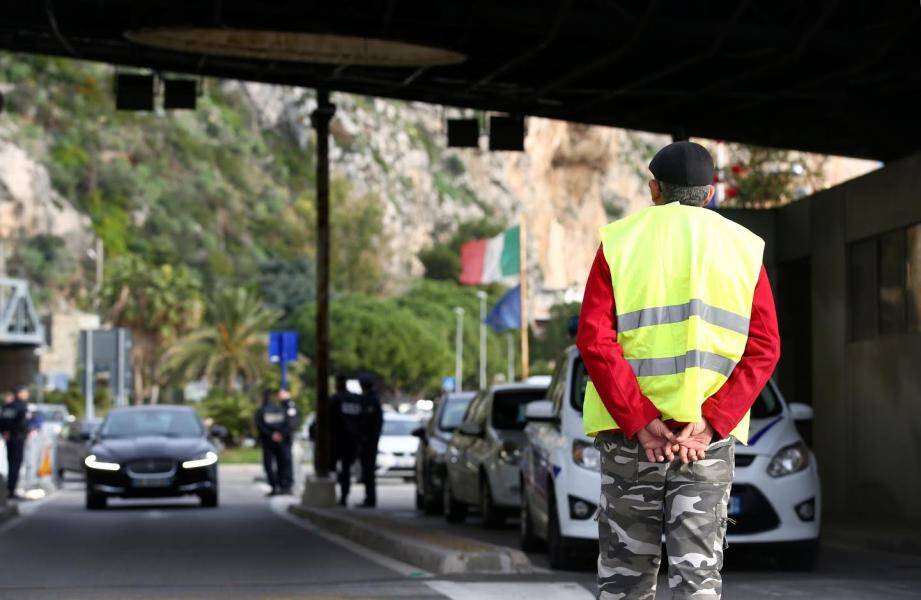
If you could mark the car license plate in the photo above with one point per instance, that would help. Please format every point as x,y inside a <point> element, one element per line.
<point>735,505</point>
<point>153,482</point>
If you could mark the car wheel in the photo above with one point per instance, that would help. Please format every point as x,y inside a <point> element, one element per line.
<point>209,499</point>
<point>455,511</point>
<point>799,556</point>
<point>493,516</point>
<point>559,551</point>
<point>95,501</point>
<point>527,537</point>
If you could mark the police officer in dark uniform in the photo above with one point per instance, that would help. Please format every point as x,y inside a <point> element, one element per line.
<point>371,424</point>
<point>343,431</point>
<point>14,426</point>
<point>275,431</point>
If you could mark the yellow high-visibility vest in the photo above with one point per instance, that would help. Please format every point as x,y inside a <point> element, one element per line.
<point>684,278</point>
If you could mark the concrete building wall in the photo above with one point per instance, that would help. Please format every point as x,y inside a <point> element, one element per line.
<point>866,393</point>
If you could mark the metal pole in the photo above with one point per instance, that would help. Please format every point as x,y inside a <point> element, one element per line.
<point>100,260</point>
<point>510,341</point>
<point>89,409</point>
<point>120,399</point>
<point>321,118</point>
<point>482,296</point>
<point>459,350</point>
<point>523,259</point>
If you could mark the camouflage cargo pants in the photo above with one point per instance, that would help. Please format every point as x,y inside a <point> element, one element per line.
<point>641,501</point>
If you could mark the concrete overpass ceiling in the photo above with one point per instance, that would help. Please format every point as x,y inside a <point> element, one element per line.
<point>838,77</point>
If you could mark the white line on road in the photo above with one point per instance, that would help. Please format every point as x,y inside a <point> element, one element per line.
<point>280,507</point>
<point>510,591</point>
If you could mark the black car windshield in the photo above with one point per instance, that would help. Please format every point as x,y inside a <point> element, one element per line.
<point>399,426</point>
<point>140,422</point>
<point>508,407</point>
<point>452,415</point>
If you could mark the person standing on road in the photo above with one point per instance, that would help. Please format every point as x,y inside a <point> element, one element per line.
<point>344,406</point>
<point>371,422</point>
<point>14,426</point>
<point>274,426</point>
<point>675,365</point>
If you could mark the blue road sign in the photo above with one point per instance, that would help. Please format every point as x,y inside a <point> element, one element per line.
<point>447,383</point>
<point>282,350</point>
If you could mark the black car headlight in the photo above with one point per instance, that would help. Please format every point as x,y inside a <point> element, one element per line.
<point>207,459</point>
<point>93,462</point>
<point>788,460</point>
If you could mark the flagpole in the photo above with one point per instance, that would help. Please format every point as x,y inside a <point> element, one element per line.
<point>523,266</point>
<point>510,355</point>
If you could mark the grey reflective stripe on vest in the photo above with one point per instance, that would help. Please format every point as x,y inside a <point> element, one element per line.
<point>676,313</point>
<point>648,367</point>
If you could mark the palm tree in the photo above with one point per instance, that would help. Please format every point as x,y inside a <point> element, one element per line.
<point>230,348</point>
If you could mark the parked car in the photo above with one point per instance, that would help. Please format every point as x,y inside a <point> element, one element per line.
<point>775,498</point>
<point>396,450</point>
<point>482,456</point>
<point>151,452</point>
<point>52,417</point>
<point>433,445</point>
<point>73,446</point>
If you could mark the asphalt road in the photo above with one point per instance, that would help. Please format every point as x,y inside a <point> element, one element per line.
<point>249,548</point>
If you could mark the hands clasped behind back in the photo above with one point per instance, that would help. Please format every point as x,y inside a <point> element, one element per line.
<point>661,444</point>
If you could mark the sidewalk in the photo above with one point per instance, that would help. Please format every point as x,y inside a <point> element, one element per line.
<point>395,529</point>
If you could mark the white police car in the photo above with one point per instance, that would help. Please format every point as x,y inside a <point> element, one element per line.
<point>775,498</point>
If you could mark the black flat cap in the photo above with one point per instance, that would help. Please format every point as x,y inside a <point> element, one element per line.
<point>683,163</point>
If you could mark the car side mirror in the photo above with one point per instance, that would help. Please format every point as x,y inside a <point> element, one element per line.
<point>471,428</point>
<point>419,432</point>
<point>540,411</point>
<point>218,431</point>
<point>801,412</point>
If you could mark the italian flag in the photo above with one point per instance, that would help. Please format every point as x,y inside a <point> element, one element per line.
<point>491,260</point>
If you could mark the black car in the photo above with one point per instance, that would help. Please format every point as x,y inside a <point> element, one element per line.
<point>151,452</point>
<point>433,442</point>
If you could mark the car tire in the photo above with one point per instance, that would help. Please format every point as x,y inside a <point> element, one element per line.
<point>527,536</point>
<point>559,550</point>
<point>455,511</point>
<point>493,516</point>
<point>799,556</point>
<point>208,499</point>
<point>95,501</point>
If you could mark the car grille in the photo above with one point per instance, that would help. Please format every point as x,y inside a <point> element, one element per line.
<point>744,460</point>
<point>755,512</point>
<point>152,466</point>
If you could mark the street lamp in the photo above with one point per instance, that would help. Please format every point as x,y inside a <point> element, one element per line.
<point>459,349</point>
<point>482,296</point>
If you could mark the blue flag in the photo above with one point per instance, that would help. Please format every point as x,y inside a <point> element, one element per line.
<point>506,314</point>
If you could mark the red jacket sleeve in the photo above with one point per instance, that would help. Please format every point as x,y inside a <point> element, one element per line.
<point>604,357</point>
<point>729,404</point>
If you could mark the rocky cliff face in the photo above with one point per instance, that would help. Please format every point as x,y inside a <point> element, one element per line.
<point>570,180</point>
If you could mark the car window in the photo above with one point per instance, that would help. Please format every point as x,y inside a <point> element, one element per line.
<point>767,404</point>
<point>479,411</point>
<point>509,405</point>
<point>580,381</point>
<point>52,415</point>
<point>399,426</point>
<point>452,414</point>
<point>137,423</point>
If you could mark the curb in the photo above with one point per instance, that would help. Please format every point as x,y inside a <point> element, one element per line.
<point>434,558</point>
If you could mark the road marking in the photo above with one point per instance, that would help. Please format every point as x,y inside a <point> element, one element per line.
<point>510,591</point>
<point>280,507</point>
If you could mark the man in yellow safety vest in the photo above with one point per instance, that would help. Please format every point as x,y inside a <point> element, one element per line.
<point>675,364</point>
